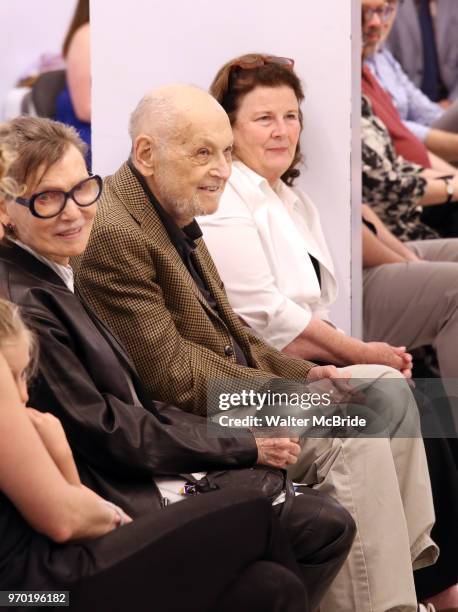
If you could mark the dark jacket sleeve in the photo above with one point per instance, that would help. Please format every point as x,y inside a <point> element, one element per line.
<point>114,433</point>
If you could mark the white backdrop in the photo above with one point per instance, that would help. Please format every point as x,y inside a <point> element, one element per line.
<point>152,44</point>
<point>28,29</point>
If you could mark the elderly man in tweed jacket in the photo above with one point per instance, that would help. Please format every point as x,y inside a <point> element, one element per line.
<point>148,274</point>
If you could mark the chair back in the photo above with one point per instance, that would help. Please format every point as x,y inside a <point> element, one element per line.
<point>45,91</point>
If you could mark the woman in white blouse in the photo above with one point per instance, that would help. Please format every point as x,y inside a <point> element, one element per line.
<point>266,237</point>
<point>268,245</point>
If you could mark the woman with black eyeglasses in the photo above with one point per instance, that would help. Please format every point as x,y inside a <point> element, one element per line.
<point>223,551</point>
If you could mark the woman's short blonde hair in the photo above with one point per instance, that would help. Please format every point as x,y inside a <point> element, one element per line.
<point>36,144</point>
<point>12,326</point>
<point>7,184</point>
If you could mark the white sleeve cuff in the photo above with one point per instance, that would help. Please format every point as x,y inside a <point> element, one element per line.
<point>281,327</point>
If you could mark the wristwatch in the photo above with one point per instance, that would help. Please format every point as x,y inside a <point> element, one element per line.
<point>449,189</point>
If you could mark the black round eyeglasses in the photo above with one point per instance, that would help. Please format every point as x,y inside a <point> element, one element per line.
<point>48,204</point>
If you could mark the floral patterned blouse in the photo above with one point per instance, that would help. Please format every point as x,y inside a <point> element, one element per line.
<point>392,186</point>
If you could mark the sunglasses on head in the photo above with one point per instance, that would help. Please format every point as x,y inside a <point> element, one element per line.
<point>257,61</point>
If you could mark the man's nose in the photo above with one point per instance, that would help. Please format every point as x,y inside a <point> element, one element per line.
<point>375,21</point>
<point>223,167</point>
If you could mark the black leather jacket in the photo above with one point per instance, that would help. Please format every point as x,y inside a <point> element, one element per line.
<point>120,438</point>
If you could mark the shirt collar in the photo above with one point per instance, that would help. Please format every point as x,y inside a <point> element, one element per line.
<point>182,238</point>
<point>287,196</point>
<point>64,272</point>
<point>253,176</point>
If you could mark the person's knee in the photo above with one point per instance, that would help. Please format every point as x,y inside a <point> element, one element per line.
<point>389,405</point>
<point>321,529</point>
<point>283,590</point>
<point>266,586</point>
<point>371,372</point>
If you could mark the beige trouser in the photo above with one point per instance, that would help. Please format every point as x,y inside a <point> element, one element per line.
<point>414,304</point>
<point>384,484</point>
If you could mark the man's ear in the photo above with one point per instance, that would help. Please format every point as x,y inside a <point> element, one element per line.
<point>143,153</point>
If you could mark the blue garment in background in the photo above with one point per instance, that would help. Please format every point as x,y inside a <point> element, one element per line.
<point>66,114</point>
<point>417,111</point>
<point>431,84</point>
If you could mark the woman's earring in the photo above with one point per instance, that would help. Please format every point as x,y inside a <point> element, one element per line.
<point>10,229</point>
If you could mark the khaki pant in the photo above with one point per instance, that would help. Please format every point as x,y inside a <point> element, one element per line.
<point>384,484</point>
<point>413,304</point>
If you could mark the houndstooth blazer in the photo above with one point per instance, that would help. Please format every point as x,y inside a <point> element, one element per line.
<point>132,276</point>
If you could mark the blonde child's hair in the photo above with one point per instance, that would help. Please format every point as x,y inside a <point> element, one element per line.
<point>12,327</point>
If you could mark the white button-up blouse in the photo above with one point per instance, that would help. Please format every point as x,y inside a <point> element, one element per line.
<point>260,239</point>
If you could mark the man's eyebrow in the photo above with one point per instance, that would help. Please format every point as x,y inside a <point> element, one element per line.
<point>205,142</point>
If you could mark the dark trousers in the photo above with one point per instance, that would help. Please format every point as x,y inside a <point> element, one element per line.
<point>321,533</point>
<point>226,552</point>
<point>220,552</point>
